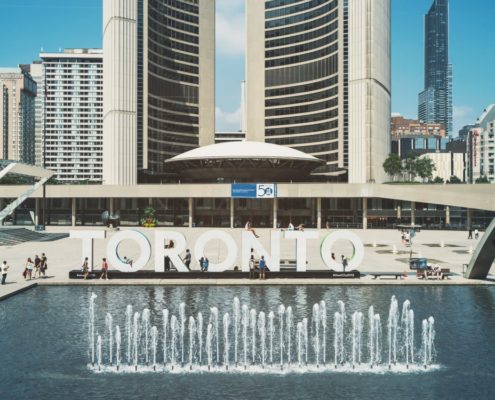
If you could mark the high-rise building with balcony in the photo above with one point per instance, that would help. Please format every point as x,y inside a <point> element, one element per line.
<point>435,101</point>
<point>159,97</point>
<point>72,118</point>
<point>318,80</point>
<point>17,115</point>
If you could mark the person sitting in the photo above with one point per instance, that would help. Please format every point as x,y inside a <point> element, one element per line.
<point>128,261</point>
<point>290,227</point>
<point>206,264</point>
<point>437,272</point>
<point>300,227</point>
<point>85,268</point>
<point>201,263</point>
<point>249,227</point>
<point>428,272</point>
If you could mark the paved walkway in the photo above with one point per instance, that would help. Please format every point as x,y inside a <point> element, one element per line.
<point>384,251</point>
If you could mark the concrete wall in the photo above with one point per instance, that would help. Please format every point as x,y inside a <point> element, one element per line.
<point>119,92</point>
<point>369,89</point>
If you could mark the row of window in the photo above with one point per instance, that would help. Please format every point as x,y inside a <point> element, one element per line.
<point>306,36</point>
<point>302,109</point>
<point>164,104</point>
<point>301,17</point>
<point>188,6</point>
<point>302,119</point>
<point>156,68</point>
<point>172,90</point>
<point>164,41</point>
<point>278,3</point>
<point>172,65</point>
<point>293,9</point>
<point>307,87</point>
<point>305,98</point>
<point>156,126</point>
<point>302,57</point>
<point>299,48</point>
<point>166,116</point>
<point>166,32</point>
<point>172,23</point>
<point>174,9</point>
<point>302,73</point>
<point>289,130</point>
<point>299,139</point>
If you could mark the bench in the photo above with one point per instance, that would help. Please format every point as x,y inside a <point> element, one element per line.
<point>445,272</point>
<point>375,275</point>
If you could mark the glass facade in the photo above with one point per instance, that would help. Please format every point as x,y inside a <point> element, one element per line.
<point>435,102</point>
<point>173,81</point>
<point>302,78</point>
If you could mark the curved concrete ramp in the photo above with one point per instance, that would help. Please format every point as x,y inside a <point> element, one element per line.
<point>483,256</point>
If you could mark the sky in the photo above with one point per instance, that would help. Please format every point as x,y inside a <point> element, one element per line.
<point>31,25</point>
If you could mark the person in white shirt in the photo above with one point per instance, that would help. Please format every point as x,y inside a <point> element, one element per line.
<point>4,269</point>
<point>290,227</point>
<point>249,227</point>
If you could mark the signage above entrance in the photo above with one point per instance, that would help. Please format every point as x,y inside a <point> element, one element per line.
<point>254,190</point>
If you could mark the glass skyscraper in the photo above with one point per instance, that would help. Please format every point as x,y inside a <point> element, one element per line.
<point>435,101</point>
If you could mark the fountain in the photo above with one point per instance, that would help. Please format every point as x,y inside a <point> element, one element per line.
<point>118,340</point>
<point>128,331</point>
<point>146,332</point>
<point>237,323</point>
<point>91,327</point>
<point>226,341</point>
<point>192,339</point>
<point>109,327</point>
<point>165,330</point>
<point>250,337</point>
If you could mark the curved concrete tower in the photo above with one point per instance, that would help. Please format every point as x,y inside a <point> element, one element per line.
<point>119,92</point>
<point>318,80</point>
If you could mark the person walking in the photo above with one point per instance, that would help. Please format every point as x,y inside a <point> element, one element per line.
<point>262,268</point>
<point>85,268</point>
<point>43,264</point>
<point>3,269</point>
<point>37,264</point>
<point>29,269</point>
<point>470,233</point>
<point>476,233</point>
<point>187,259</point>
<point>344,262</point>
<point>104,269</point>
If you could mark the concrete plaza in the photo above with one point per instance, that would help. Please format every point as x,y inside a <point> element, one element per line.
<point>384,252</point>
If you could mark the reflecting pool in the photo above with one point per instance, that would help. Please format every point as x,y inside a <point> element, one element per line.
<point>237,342</point>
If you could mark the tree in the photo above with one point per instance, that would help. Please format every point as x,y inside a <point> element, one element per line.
<point>454,179</point>
<point>424,167</point>
<point>438,180</point>
<point>482,179</point>
<point>393,165</point>
<point>410,165</point>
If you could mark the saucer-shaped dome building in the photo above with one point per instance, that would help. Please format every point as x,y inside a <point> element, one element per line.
<point>244,161</point>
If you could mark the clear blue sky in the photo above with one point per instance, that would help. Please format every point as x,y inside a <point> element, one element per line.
<point>29,25</point>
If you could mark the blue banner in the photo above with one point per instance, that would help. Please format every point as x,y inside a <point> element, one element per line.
<point>254,190</point>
